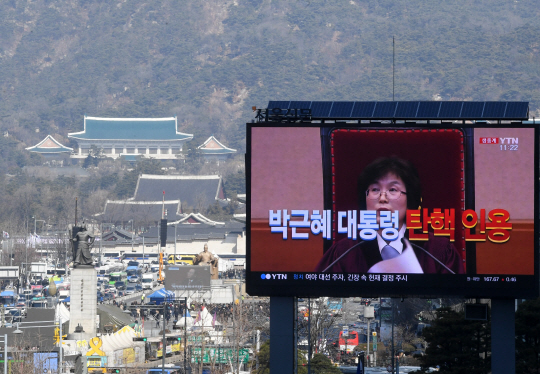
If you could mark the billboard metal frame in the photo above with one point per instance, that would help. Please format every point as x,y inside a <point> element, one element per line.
<point>304,118</point>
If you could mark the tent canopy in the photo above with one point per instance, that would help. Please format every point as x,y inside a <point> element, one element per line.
<point>161,295</point>
<point>205,320</point>
<point>113,315</point>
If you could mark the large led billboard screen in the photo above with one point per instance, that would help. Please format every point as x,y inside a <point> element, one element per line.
<point>187,277</point>
<point>369,210</point>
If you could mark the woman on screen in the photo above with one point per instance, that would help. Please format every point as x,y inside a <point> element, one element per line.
<point>391,184</point>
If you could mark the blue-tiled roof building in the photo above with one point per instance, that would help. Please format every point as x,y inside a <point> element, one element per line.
<point>148,137</point>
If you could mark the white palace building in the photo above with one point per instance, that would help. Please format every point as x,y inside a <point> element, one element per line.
<point>129,137</point>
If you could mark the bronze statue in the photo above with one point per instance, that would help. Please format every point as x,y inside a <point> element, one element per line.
<point>207,258</point>
<point>81,243</point>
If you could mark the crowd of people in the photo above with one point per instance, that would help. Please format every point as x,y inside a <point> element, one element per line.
<point>232,274</point>
<point>224,313</point>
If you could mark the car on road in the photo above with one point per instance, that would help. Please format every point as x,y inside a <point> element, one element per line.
<point>39,302</point>
<point>15,315</point>
<point>130,289</point>
<point>133,279</point>
<point>120,285</point>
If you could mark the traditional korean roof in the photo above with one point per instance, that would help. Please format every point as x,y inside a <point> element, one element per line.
<point>240,217</point>
<point>193,191</point>
<point>195,218</point>
<point>123,210</point>
<point>49,145</point>
<point>212,146</point>
<point>117,235</point>
<point>150,129</point>
<point>199,231</point>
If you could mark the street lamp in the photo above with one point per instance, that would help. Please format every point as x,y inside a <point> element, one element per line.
<point>399,353</point>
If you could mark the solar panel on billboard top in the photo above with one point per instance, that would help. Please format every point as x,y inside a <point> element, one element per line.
<point>406,109</point>
<point>300,105</point>
<point>384,109</point>
<point>515,109</point>
<point>428,109</point>
<point>279,104</point>
<point>363,109</point>
<point>321,109</point>
<point>450,109</point>
<point>472,109</point>
<point>342,109</point>
<point>494,109</point>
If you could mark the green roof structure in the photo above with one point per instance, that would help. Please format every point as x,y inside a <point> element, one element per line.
<point>146,129</point>
<point>130,158</point>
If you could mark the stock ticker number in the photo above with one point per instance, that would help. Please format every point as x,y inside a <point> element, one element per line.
<point>500,279</point>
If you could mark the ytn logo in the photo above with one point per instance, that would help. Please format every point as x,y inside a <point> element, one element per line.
<point>493,140</point>
<point>273,276</point>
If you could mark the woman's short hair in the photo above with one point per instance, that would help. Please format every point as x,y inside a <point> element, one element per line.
<point>398,166</point>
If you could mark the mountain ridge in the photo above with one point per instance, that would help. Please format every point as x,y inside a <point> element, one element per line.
<point>209,61</point>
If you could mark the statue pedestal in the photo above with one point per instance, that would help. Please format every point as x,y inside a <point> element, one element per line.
<point>83,300</point>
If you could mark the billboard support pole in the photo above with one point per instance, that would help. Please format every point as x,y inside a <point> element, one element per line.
<point>309,336</point>
<point>164,349</point>
<point>185,332</point>
<point>393,353</point>
<point>503,356</point>
<point>6,352</point>
<point>367,360</point>
<point>295,326</point>
<point>282,334</point>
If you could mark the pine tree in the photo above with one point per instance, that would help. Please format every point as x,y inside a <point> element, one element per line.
<point>528,337</point>
<point>457,345</point>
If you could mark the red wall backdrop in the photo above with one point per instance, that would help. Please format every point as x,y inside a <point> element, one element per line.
<point>437,154</point>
